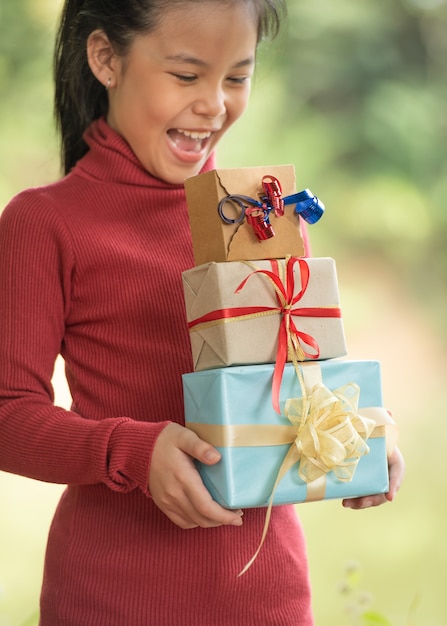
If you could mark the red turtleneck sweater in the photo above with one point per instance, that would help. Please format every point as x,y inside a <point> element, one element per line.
<point>90,268</point>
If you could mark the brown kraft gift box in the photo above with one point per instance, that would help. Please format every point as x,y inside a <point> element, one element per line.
<point>215,240</point>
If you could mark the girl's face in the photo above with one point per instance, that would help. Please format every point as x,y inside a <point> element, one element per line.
<point>183,85</point>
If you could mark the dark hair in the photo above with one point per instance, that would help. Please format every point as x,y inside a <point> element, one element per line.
<point>79,96</point>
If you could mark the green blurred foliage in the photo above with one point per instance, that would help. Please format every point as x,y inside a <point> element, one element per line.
<point>28,146</point>
<point>19,43</point>
<point>377,73</point>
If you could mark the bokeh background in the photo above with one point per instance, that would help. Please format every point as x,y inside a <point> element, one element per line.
<point>353,94</point>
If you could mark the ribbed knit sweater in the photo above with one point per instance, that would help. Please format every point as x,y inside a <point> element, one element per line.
<point>90,267</point>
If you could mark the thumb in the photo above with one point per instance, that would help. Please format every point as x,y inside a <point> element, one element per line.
<point>211,456</point>
<point>200,450</point>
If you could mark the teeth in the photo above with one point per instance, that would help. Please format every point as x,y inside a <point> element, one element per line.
<point>194,135</point>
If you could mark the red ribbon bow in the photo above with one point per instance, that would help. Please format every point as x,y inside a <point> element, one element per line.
<point>290,337</point>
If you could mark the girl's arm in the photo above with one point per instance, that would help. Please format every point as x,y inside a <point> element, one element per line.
<point>45,442</point>
<point>38,439</point>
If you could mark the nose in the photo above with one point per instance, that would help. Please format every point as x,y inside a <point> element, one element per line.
<point>210,102</point>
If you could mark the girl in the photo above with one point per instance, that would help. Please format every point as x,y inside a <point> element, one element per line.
<point>90,268</point>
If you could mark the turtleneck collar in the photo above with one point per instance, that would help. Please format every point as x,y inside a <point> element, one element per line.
<point>111,159</point>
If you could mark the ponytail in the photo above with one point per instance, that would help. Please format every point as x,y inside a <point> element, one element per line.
<point>79,97</point>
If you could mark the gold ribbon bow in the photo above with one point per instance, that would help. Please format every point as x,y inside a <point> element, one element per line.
<point>331,435</point>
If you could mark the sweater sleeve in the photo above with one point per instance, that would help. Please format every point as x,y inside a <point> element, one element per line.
<point>37,439</point>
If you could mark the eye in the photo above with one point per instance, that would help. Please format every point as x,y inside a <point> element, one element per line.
<point>238,80</point>
<point>185,78</point>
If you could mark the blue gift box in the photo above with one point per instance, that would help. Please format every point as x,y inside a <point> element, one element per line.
<point>242,395</point>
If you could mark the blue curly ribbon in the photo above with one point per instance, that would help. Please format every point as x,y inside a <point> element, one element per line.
<point>308,206</point>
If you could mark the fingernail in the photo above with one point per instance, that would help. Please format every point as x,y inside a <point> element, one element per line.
<point>212,456</point>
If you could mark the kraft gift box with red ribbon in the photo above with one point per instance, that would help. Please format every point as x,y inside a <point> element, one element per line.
<point>263,312</point>
<point>328,441</point>
<point>248,213</point>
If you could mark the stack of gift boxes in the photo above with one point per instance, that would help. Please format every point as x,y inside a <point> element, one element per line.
<point>293,420</point>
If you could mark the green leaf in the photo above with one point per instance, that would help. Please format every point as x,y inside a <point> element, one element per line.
<point>372,618</point>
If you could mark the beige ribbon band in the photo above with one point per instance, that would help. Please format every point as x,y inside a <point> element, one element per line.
<point>260,435</point>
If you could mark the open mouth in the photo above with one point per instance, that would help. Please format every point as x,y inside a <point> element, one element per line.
<point>189,140</point>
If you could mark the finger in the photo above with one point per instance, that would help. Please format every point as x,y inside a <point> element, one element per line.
<point>365,502</point>
<point>207,513</point>
<point>198,449</point>
<point>202,509</point>
<point>187,502</point>
<point>396,472</point>
<point>186,515</point>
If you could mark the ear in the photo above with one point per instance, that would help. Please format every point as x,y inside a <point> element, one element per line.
<point>102,58</point>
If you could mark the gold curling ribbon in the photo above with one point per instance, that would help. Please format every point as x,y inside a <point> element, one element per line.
<point>331,435</point>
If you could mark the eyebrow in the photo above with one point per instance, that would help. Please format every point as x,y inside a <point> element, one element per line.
<point>188,60</point>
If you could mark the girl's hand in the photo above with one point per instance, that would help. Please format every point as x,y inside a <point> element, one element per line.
<point>396,468</point>
<point>175,483</point>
